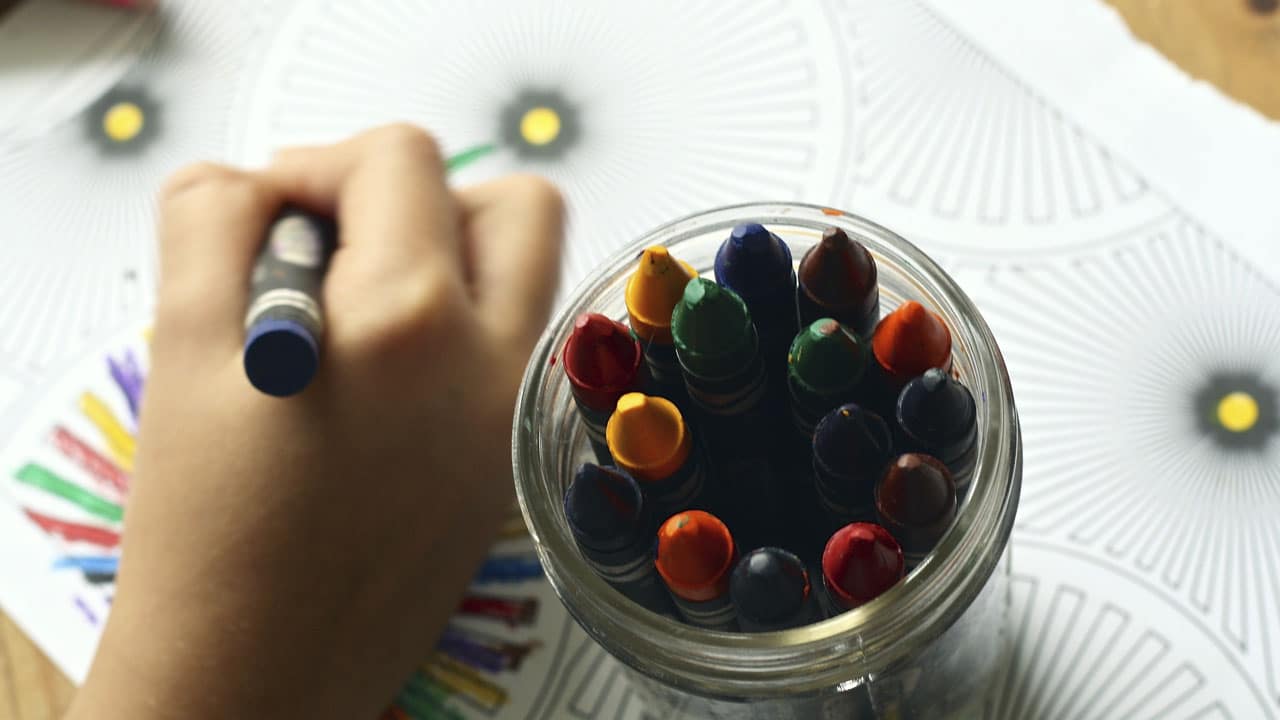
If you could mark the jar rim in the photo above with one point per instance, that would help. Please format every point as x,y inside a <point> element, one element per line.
<point>810,658</point>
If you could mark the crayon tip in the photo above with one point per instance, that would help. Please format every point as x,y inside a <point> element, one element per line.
<point>769,585</point>
<point>653,290</point>
<point>754,262</point>
<point>695,555</point>
<point>603,506</point>
<point>851,439</point>
<point>601,355</point>
<point>910,340</point>
<point>860,562</point>
<point>916,493</point>
<point>840,274</point>
<point>938,411</point>
<point>751,237</point>
<point>647,436</point>
<point>710,320</point>
<point>826,358</point>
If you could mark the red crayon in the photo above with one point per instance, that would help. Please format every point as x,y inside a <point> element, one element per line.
<point>603,362</point>
<point>860,562</point>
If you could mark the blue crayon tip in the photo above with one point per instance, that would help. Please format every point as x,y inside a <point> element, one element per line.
<point>751,237</point>
<point>603,506</point>
<point>850,438</point>
<point>280,357</point>
<point>769,586</point>
<point>754,262</point>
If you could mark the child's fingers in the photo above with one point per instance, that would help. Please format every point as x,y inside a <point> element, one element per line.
<point>212,222</point>
<point>387,189</point>
<point>515,230</point>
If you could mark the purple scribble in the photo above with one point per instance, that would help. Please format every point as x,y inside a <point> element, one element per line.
<point>84,608</point>
<point>129,378</point>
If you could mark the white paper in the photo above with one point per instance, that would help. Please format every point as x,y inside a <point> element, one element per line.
<point>58,56</point>
<point>1120,252</point>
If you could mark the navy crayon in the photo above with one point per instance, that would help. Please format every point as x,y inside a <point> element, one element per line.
<point>284,325</point>
<point>605,510</point>
<point>756,264</point>
<point>696,555</point>
<point>851,447</point>
<point>770,589</point>
<point>938,416</point>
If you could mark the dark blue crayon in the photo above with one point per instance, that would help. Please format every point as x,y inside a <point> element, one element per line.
<point>771,590</point>
<point>284,325</point>
<point>508,569</point>
<point>756,264</point>
<point>937,416</point>
<point>605,510</point>
<point>851,447</point>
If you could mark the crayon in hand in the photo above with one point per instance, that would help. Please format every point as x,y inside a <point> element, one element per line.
<point>771,591</point>
<point>861,561</point>
<point>605,510</point>
<point>603,362</point>
<point>649,438</point>
<point>652,292</point>
<point>937,415</point>
<point>284,326</point>
<point>756,264</point>
<point>916,503</point>
<point>696,555</point>
<point>837,279</point>
<point>825,368</point>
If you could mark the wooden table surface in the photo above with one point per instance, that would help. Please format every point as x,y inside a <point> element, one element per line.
<point>1234,44</point>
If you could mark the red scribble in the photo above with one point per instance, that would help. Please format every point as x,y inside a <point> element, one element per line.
<point>512,612</point>
<point>74,532</point>
<point>90,460</point>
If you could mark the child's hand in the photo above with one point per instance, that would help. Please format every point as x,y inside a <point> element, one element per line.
<point>297,557</point>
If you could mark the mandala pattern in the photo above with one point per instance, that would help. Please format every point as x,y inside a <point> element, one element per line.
<point>641,113</point>
<point>952,151</point>
<point>80,198</point>
<point>1095,642</point>
<point>1145,378</point>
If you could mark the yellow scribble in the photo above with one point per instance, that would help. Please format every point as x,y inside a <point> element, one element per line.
<point>464,681</point>
<point>120,442</point>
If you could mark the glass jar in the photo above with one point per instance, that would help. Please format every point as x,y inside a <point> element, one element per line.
<point>928,647</point>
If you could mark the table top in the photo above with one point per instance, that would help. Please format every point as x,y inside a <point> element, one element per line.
<point>1233,44</point>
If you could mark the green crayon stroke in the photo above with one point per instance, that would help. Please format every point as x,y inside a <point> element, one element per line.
<point>468,156</point>
<point>40,477</point>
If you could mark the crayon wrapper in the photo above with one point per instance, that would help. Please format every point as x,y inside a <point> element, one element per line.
<point>289,272</point>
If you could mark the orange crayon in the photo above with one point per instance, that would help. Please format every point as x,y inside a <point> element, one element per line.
<point>652,293</point>
<point>649,438</point>
<point>696,555</point>
<point>909,341</point>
